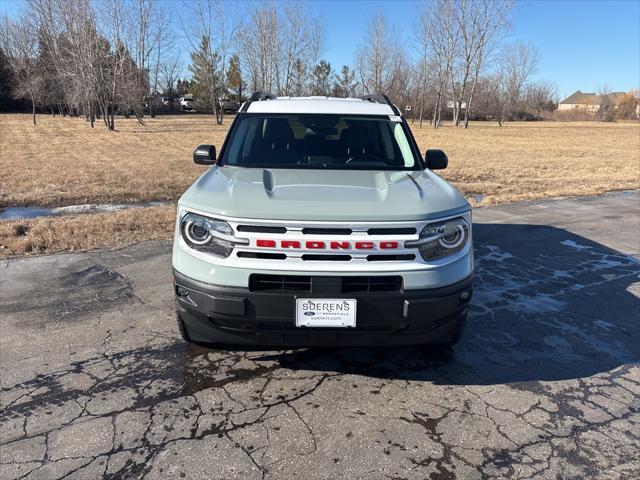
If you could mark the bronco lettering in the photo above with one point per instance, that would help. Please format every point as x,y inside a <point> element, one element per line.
<point>320,245</point>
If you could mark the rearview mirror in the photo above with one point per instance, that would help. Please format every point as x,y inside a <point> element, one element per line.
<point>205,155</point>
<point>436,159</point>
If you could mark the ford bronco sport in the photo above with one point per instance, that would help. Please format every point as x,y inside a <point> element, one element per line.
<point>320,224</point>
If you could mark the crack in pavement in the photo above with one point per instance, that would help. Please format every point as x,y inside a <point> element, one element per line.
<point>545,384</point>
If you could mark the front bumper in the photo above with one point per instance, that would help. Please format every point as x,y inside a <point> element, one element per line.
<point>238,316</point>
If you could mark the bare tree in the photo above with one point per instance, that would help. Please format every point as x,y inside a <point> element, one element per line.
<point>441,32</point>
<point>163,51</point>
<point>542,96</point>
<point>19,41</point>
<point>78,51</point>
<point>454,41</point>
<point>482,24</point>
<point>168,75</point>
<point>280,47</point>
<point>423,47</point>
<point>301,38</point>
<point>376,59</point>
<point>260,47</point>
<point>517,64</point>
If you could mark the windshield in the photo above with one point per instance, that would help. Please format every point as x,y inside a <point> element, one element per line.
<point>319,141</point>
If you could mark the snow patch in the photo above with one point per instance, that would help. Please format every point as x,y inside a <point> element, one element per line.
<point>496,254</point>
<point>574,245</point>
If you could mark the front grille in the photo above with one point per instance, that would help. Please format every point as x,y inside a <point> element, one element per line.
<point>279,283</point>
<point>371,284</point>
<point>326,258</point>
<point>323,285</point>
<point>353,248</point>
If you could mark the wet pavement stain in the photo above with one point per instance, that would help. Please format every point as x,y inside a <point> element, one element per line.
<point>545,384</point>
<point>71,295</point>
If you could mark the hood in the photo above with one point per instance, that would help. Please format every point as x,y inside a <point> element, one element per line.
<point>323,195</point>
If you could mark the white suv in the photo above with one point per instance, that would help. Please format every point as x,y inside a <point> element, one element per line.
<point>320,223</point>
<point>187,102</point>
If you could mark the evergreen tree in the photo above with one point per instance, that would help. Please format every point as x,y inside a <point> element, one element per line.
<point>344,84</point>
<point>204,75</point>
<point>234,78</point>
<point>321,78</point>
<point>7,103</point>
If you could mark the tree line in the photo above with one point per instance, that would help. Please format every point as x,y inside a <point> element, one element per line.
<point>103,58</point>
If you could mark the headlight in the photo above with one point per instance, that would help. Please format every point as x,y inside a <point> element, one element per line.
<point>441,239</point>
<point>209,235</point>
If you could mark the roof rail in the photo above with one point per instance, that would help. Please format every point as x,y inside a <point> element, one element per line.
<point>381,98</point>
<point>257,97</point>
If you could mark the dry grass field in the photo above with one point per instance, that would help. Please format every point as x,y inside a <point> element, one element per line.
<point>62,161</point>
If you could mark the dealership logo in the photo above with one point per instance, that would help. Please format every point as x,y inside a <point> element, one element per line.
<point>327,245</point>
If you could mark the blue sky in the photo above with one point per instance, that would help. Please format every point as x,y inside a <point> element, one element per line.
<point>582,44</point>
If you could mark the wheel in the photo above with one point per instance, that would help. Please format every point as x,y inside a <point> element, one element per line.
<point>181,328</point>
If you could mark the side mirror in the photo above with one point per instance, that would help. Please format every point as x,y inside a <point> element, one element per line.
<point>436,160</point>
<point>205,155</point>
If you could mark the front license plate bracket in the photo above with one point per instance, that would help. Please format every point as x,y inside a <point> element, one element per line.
<point>326,312</point>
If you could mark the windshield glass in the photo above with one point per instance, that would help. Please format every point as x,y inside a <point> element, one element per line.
<point>319,141</point>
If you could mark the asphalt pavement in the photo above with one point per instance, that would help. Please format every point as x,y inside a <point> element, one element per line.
<point>545,384</point>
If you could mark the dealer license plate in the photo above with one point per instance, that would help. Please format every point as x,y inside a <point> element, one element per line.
<point>325,312</point>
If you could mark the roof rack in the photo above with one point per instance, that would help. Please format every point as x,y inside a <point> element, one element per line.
<point>257,97</point>
<point>381,98</point>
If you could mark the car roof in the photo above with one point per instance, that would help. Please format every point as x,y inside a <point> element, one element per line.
<point>350,106</point>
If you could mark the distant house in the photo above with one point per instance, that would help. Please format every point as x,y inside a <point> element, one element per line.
<point>588,102</point>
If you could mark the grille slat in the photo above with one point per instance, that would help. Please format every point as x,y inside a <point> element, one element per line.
<point>262,255</point>
<point>326,258</point>
<point>261,229</point>
<point>327,231</point>
<point>389,258</point>
<point>392,231</point>
<point>279,283</point>
<point>300,283</point>
<point>371,284</point>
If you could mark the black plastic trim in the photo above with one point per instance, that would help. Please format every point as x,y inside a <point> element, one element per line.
<point>381,98</point>
<point>229,315</point>
<point>261,229</point>
<point>257,97</point>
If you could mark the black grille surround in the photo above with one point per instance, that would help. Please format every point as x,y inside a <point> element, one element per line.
<point>325,285</point>
<point>327,230</point>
